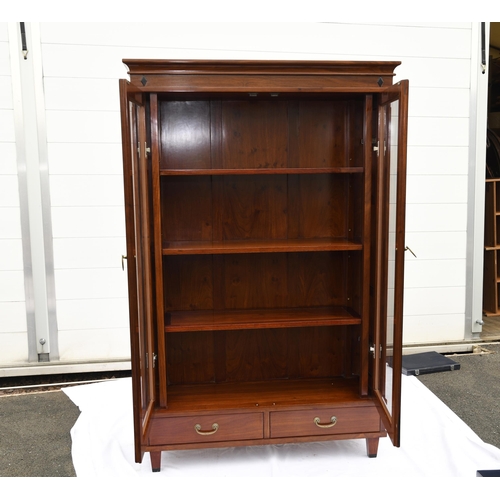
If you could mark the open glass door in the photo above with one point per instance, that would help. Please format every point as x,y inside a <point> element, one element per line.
<point>389,254</point>
<point>139,265</point>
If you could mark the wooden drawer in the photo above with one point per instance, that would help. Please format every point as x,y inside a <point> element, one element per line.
<point>206,428</point>
<point>302,423</point>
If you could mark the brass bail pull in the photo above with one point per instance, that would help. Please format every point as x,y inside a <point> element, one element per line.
<point>318,423</point>
<point>197,428</point>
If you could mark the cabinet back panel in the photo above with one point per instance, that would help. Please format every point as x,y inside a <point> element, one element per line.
<point>188,283</point>
<point>318,206</point>
<point>257,355</point>
<point>186,209</point>
<point>254,134</point>
<point>254,207</point>
<point>185,134</point>
<point>260,134</point>
<point>260,207</point>
<point>254,281</point>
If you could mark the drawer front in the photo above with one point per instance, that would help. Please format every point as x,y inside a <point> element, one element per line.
<point>206,428</point>
<point>323,422</point>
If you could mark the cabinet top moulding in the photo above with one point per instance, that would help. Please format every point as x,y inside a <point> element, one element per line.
<point>260,76</point>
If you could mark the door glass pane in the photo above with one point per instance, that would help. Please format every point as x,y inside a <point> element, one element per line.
<point>141,285</point>
<point>391,165</point>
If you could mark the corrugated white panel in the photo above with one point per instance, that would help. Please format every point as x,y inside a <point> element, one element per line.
<point>4,59</point>
<point>88,253</point>
<point>80,159</point>
<point>434,301</point>
<point>83,126</point>
<point>5,92</point>
<point>7,126</point>
<point>436,189</point>
<point>439,102</point>
<point>434,273</point>
<point>8,164</point>
<point>11,254</point>
<point>95,283</point>
<point>97,344</point>
<point>297,38</point>
<point>85,190</point>
<point>82,63</point>
<point>440,73</point>
<point>92,314</point>
<point>88,222</point>
<point>87,94</point>
<point>437,160</point>
<point>9,191</point>
<point>13,328</point>
<point>10,225</point>
<point>433,328</point>
<point>14,345</point>
<point>423,131</point>
<point>437,245</point>
<point>12,286</point>
<point>436,217</point>
<point>13,316</point>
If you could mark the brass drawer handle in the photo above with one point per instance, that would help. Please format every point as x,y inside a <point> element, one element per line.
<point>198,430</point>
<point>317,421</point>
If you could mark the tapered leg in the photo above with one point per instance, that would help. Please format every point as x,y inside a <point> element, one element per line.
<point>155,460</point>
<point>372,447</point>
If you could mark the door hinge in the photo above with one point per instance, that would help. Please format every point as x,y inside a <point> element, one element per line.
<point>154,357</point>
<point>147,150</point>
<point>372,351</point>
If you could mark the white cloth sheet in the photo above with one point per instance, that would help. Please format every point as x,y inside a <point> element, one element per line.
<point>435,442</point>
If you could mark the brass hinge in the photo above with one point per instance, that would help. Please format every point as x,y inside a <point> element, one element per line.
<point>146,149</point>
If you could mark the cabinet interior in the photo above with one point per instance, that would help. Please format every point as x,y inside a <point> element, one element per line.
<point>262,231</point>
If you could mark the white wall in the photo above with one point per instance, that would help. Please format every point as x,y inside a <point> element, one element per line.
<point>13,328</point>
<point>81,66</point>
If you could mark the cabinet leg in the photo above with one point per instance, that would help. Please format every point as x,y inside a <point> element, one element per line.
<point>155,460</point>
<point>372,447</point>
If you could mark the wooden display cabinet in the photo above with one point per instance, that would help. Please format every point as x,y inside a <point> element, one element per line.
<point>265,237</point>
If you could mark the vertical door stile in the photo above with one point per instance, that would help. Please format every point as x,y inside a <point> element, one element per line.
<point>365,312</point>
<point>144,243</point>
<point>389,259</point>
<point>158,250</point>
<point>128,139</point>
<point>139,268</point>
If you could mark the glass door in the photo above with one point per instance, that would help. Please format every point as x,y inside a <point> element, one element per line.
<point>389,225</point>
<point>139,265</point>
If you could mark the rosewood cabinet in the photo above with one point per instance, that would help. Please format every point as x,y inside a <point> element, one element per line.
<point>265,208</point>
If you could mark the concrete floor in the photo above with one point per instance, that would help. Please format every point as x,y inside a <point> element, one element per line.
<point>35,427</point>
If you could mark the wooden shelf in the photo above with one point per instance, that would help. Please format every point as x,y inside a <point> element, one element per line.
<point>188,321</point>
<point>216,397</point>
<point>253,171</point>
<point>263,246</point>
